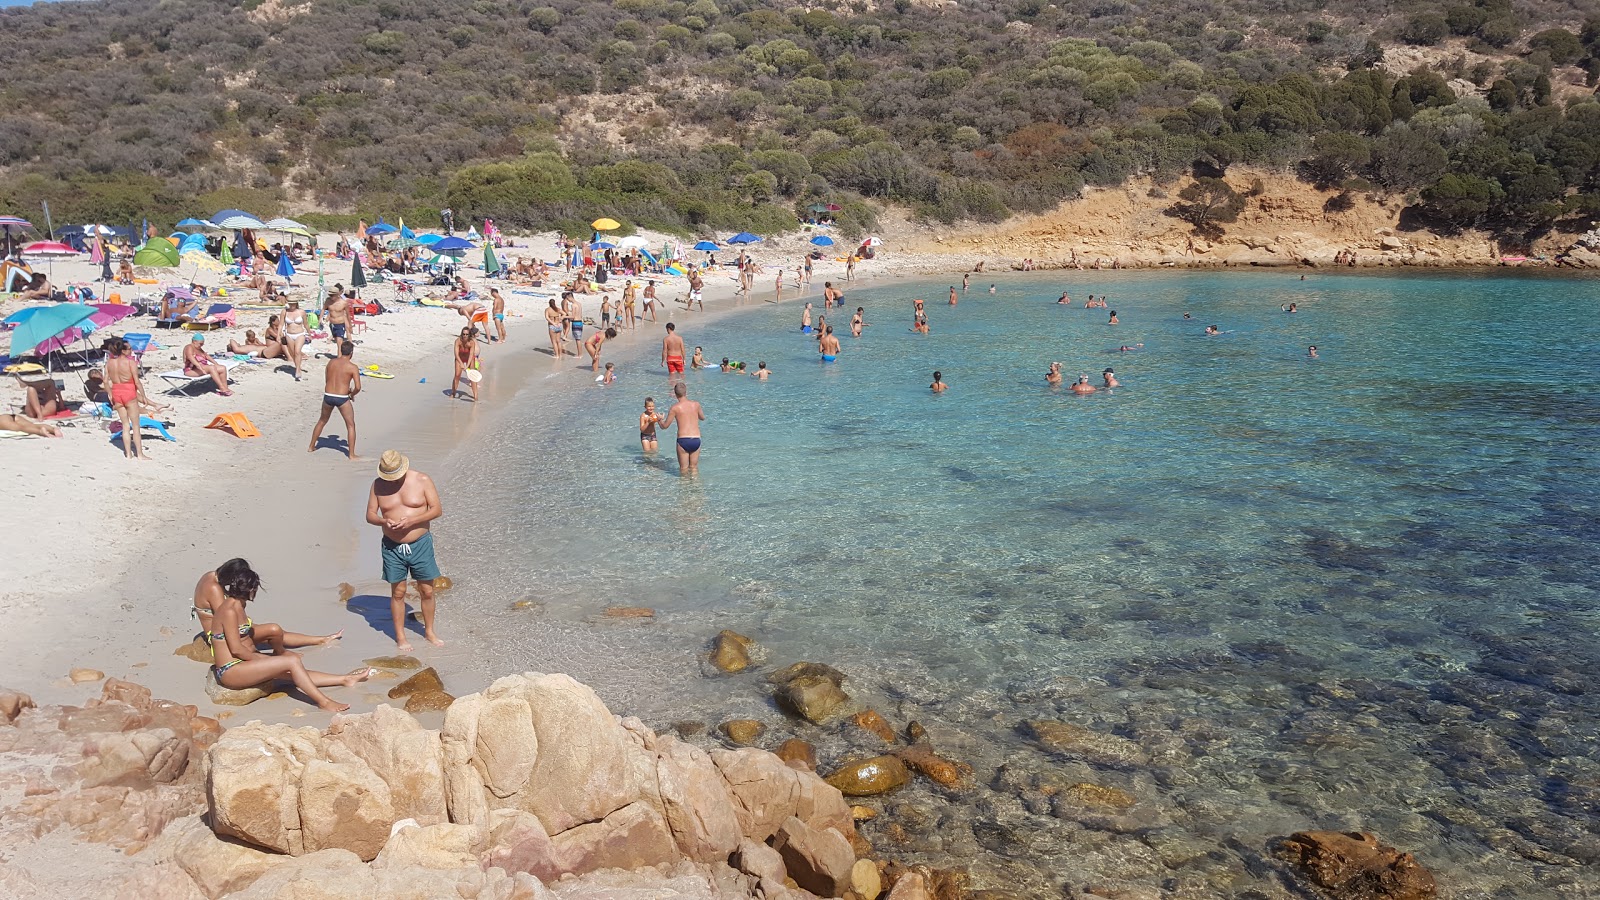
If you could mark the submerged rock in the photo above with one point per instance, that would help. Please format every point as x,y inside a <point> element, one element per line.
<point>629,612</point>
<point>730,652</point>
<point>1097,795</point>
<point>870,777</point>
<point>743,732</point>
<point>870,721</point>
<point>1355,866</point>
<point>936,768</point>
<point>428,701</point>
<point>795,750</point>
<point>790,673</point>
<point>1082,743</point>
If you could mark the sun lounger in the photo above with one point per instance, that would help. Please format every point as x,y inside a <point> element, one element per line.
<point>146,423</point>
<point>179,382</point>
<point>138,343</point>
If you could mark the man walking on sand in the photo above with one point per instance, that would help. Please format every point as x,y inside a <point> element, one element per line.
<point>403,503</point>
<point>340,384</point>
<point>687,415</point>
<point>672,353</point>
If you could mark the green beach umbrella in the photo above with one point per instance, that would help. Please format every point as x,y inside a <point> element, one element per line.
<point>157,252</point>
<point>491,265</point>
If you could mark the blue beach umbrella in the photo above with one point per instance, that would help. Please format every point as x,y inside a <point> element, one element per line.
<point>285,265</point>
<point>192,223</point>
<point>446,245</point>
<point>707,246</point>
<point>428,240</point>
<point>744,237</point>
<point>822,240</point>
<point>602,245</point>
<point>382,228</point>
<point>42,323</point>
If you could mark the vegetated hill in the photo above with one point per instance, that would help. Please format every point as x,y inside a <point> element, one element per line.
<point>689,114</point>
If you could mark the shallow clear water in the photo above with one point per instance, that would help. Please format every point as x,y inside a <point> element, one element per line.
<point>1353,592</point>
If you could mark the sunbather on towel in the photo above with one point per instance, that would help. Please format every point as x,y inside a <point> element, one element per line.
<point>44,398</point>
<point>208,594</point>
<point>10,422</point>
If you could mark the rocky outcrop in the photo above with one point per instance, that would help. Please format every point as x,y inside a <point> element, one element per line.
<point>532,777</point>
<point>1356,866</point>
<point>115,771</point>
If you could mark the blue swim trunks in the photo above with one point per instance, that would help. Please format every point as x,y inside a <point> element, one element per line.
<point>828,357</point>
<point>412,561</point>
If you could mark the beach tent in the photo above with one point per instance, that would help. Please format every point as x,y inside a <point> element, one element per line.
<point>157,252</point>
<point>472,232</point>
<point>744,237</point>
<point>191,243</point>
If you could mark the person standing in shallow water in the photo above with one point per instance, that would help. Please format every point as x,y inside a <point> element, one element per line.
<point>687,415</point>
<point>404,504</point>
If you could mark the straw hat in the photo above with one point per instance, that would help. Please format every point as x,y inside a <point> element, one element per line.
<point>393,465</point>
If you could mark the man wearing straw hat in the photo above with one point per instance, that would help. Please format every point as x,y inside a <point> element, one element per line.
<point>403,502</point>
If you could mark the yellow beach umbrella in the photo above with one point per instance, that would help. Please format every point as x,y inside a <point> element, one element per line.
<point>606,224</point>
<point>203,261</point>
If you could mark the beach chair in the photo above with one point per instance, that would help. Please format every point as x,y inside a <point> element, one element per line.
<point>146,423</point>
<point>218,315</point>
<point>179,382</point>
<point>138,343</point>
<point>237,423</point>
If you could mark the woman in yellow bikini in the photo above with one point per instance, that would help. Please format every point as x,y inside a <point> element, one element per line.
<point>237,664</point>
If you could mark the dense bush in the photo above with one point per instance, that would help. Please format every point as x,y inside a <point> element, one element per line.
<point>125,108</point>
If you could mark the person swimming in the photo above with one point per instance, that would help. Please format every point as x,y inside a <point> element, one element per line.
<point>1082,385</point>
<point>1110,379</point>
<point>938,386</point>
<point>1212,329</point>
<point>1311,352</point>
<point>1293,307</point>
<point>1053,377</point>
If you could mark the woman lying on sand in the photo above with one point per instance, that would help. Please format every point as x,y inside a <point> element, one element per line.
<point>236,663</point>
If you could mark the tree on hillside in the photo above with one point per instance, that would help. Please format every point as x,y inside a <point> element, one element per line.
<point>1207,204</point>
<point>1335,156</point>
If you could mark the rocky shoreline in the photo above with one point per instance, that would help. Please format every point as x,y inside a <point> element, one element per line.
<point>533,789</point>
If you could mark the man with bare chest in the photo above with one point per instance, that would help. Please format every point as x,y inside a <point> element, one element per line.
<point>404,503</point>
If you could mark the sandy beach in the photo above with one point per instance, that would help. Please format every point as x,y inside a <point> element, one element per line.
<point>139,534</point>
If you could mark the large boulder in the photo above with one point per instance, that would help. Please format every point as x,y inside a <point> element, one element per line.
<point>405,755</point>
<point>766,792</point>
<point>443,846</point>
<point>1356,866</point>
<point>12,703</point>
<point>631,838</point>
<point>253,784</point>
<point>698,805</point>
<point>344,805</point>
<point>217,866</point>
<point>818,859</point>
<point>465,794</point>
<point>580,771</point>
<point>135,759</point>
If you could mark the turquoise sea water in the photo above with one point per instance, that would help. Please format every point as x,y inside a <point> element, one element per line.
<point>1352,592</point>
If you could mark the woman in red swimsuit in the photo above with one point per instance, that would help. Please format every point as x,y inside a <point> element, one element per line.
<point>122,373</point>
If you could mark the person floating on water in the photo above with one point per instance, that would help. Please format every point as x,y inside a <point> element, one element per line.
<point>938,386</point>
<point>1064,300</point>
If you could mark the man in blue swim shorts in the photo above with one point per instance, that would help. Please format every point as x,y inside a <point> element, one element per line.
<point>404,503</point>
<point>828,346</point>
<point>687,415</point>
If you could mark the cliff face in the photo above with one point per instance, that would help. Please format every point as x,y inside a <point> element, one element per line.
<point>1287,223</point>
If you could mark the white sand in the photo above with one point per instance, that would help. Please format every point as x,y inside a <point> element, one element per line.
<point>103,552</point>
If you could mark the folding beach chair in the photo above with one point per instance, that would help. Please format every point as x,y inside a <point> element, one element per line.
<point>179,382</point>
<point>146,423</point>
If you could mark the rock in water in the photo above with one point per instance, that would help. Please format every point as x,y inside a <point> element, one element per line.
<point>1355,866</point>
<point>730,652</point>
<point>629,612</point>
<point>1085,794</point>
<point>871,721</point>
<point>394,662</point>
<point>868,778</point>
<point>795,750</point>
<point>743,732</point>
<point>786,675</point>
<point>428,701</point>
<point>915,733</point>
<point>425,680</point>
<point>936,768</point>
<point>443,583</point>
<point>1082,743</point>
<point>814,698</point>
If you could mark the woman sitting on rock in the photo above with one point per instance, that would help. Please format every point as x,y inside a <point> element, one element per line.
<point>237,664</point>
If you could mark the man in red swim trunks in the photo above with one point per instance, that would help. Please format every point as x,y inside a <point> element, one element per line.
<point>672,353</point>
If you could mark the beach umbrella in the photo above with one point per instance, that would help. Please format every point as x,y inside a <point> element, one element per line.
<point>822,240</point>
<point>817,208</point>
<point>283,224</point>
<point>285,265</point>
<point>605,224</point>
<point>358,275</point>
<point>105,273</point>
<point>48,248</point>
<point>239,223</point>
<point>445,245</point>
<point>429,240</point>
<point>405,243</point>
<point>158,252</point>
<point>193,223</point>
<point>109,313</point>
<point>631,242</point>
<point>9,222</point>
<point>491,265</point>
<point>203,261</point>
<point>37,326</point>
<point>872,242</point>
<point>707,246</point>
<point>405,232</point>
<point>602,245</point>
<point>381,228</point>
<point>744,237</point>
